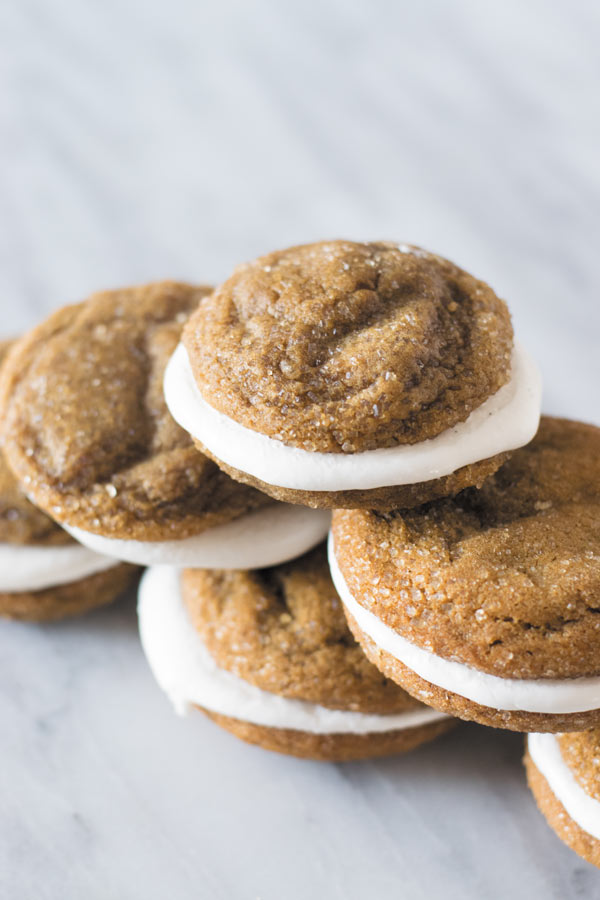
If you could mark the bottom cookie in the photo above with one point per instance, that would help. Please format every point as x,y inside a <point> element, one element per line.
<point>579,840</point>
<point>71,599</point>
<point>400,496</point>
<point>331,747</point>
<point>455,705</point>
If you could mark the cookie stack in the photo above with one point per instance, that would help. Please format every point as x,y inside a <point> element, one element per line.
<point>209,433</point>
<point>339,375</point>
<point>88,434</point>
<point>384,383</point>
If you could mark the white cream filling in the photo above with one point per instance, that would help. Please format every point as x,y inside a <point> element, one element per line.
<point>266,537</point>
<point>506,420</point>
<point>30,568</point>
<point>544,750</point>
<point>543,695</point>
<point>189,676</point>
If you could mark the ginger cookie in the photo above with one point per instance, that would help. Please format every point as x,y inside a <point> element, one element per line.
<point>343,374</point>
<point>44,573</point>
<point>486,605</point>
<point>89,437</point>
<point>267,655</point>
<point>563,771</point>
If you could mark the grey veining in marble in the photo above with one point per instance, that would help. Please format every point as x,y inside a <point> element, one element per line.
<point>143,140</point>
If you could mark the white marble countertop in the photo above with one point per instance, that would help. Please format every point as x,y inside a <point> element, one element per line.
<point>143,140</point>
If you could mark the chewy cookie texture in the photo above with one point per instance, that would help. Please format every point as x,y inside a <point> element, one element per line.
<point>505,579</point>
<point>263,653</point>
<point>283,629</point>
<point>343,347</point>
<point>86,428</point>
<point>354,375</point>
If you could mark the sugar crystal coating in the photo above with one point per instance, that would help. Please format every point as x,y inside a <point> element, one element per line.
<point>343,347</point>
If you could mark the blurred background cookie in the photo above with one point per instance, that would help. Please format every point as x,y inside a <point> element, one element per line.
<point>88,435</point>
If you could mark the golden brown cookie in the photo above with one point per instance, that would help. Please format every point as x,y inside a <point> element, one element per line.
<point>562,772</point>
<point>401,496</point>
<point>20,521</point>
<point>331,747</point>
<point>283,629</point>
<point>502,583</point>
<point>72,599</point>
<point>341,347</point>
<point>267,655</point>
<point>35,551</point>
<point>86,429</point>
<point>354,375</point>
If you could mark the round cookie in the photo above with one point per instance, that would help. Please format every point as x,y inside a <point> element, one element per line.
<point>267,655</point>
<point>88,435</point>
<point>44,573</point>
<point>343,374</point>
<point>485,605</point>
<point>564,777</point>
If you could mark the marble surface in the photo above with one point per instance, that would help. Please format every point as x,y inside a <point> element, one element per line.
<point>143,140</point>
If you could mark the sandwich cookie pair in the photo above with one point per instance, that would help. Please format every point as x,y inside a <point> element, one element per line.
<point>88,435</point>
<point>268,656</point>
<point>44,573</point>
<point>563,771</point>
<point>349,375</point>
<point>486,605</point>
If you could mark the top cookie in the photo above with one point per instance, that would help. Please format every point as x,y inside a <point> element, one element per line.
<point>505,579</point>
<point>86,429</point>
<point>20,521</point>
<point>344,347</point>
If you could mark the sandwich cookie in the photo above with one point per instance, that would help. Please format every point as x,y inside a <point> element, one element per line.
<point>88,436</point>
<point>268,656</point>
<point>563,771</point>
<point>44,573</point>
<point>348,375</point>
<point>486,605</point>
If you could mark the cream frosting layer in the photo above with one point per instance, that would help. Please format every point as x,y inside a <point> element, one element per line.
<point>506,420</point>
<point>189,676</point>
<point>543,695</point>
<point>30,568</point>
<point>265,537</point>
<point>544,750</point>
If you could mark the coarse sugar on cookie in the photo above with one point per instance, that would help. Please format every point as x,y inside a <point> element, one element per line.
<point>283,629</point>
<point>343,347</point>
<point>496,589</point>
<point>267,655</point>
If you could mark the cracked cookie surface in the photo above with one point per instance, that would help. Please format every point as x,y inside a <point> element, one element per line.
<point>506,578</point>
<point>86,429</point>
<point>344,347</point>
<point>283,629</point>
